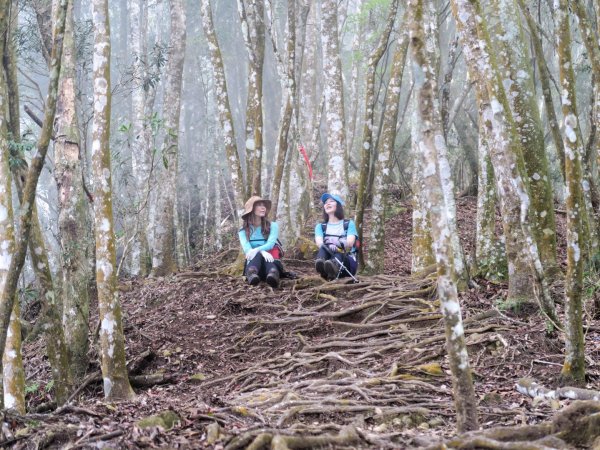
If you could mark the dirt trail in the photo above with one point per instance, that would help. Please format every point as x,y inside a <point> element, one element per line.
<point>358,365</point>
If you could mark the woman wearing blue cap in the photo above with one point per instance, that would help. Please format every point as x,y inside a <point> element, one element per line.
<point>336,238</point>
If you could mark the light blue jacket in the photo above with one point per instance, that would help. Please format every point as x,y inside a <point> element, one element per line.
<point>257,240</point>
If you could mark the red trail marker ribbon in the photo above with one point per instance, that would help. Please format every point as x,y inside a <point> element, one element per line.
<point>302,150</point>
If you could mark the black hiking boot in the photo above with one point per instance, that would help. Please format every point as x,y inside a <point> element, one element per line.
<point>331,269</point>
<point>320,266</point>
<point>273,279</point>
<point>253,278</point>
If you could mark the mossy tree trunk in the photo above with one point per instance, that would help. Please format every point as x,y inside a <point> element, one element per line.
<point>545,76</point>
<point>73,219</point>
<point>140,151</point>
<point>590,185</point>
<point>490,259</point>
<point>13,374</point>
<point>421,215</point>
<point>525,268</point>
<point>383,164</point>
<point>112,340</point>
<point>514,58</point>
<point>49,318</point>
<point>430,140</point>
<point>367,134</point>
<point>573,370</point>
<point>9,59</point>
<point>27,231</point>
<point>421,240</point>
<point>13,379</point>
<point>287,124</point>
<point>227,130</point>
<point>164,250</point>
<point>295,196</point>
<point>251,14</point>
<point>337,181</point>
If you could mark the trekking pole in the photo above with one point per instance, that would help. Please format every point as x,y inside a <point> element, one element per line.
<point>341,263</point>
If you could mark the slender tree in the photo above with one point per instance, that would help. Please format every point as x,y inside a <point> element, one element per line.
<point>73,219</point>
<point>591,194</point>
<point>545,76</point>
<point>164,259</point>
<point>288,81</point>
<point>521,247</point>
<point>49,318</point>
<point>140,152</point>
<point>430,141</point>
<point>251,14</point>
<point>573,369</point>
<point>337,181</point>
<point>367,134</point>
<point>383,164</point>
<point>515,70</point>
<point>13,379</point>
<point>56,345</point>
<point>112,341</point>
<point>223,107</point>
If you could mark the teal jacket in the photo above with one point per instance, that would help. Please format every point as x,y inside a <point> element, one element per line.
<point>257,240</point>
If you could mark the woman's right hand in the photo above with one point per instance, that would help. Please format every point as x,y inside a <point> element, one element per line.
<point>251,254</point>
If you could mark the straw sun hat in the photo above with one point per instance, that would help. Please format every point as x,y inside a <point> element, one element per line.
<point>249,206</point>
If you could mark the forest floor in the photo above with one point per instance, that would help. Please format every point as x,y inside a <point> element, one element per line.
<point>355,365</point>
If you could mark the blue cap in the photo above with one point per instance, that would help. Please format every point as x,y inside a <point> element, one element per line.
<point>327,196</point>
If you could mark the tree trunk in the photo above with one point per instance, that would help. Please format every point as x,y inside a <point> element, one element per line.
<point>518,78</point>
<point>337,179</point>
<point>10,67</point>
<point>13,376</point>
<point>590,188</point>
<point>490,259</point>
<point>355,106</point>
<point>367,134</point>
<point>164,261</point>
<point>525,268</point>
<point>228,132</point>
<point>56,346</point>
<point>430,141</point>
<point>287,76</point>
<point>544,74</point>
<point>73,220</point>
<point>296,186</point>
<point>573,370</point>
<point>253,29</point>
<point>140,157</point>
<point>112,341</point>
<point>383,164</point>
<point>13,380</point>
<point>421,240</point>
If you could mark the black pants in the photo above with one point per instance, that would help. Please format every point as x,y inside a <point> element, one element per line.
<point>349,260</point>
<point>261,267</point>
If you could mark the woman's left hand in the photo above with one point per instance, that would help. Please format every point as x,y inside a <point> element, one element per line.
<point>267,256</point>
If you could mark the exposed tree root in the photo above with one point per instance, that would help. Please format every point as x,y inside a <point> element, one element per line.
<point>576,425</point>
<point>263,438</point>
<point>347,366</point>
<point>149,380</point>
<point>347,373</point>
<point>529,387</point>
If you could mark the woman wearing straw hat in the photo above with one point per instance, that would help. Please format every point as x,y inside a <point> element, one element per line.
<point>258,237</point>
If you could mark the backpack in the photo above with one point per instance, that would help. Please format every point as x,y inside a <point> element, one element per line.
<point>346,223</point>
